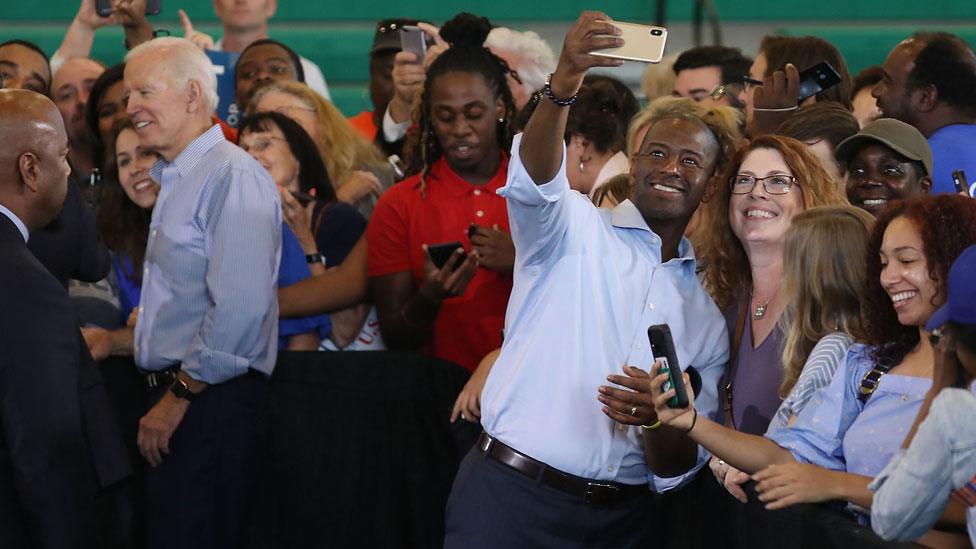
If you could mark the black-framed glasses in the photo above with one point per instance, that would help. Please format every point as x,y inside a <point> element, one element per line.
<point>772,184</point>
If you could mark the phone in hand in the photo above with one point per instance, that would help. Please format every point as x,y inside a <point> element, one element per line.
<point>817,79</point>
<point>104,7</point>
<point>441,253</point>
<point>961,183</point>
<point>662,347</point>
<point>413,39</point>
<point>641,43</point>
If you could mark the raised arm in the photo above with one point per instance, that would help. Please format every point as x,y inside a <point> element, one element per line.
<point>542,143</point>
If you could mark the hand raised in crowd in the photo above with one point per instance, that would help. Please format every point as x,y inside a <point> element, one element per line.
<point>299,220</point>
<point>593,30</point>
<point>89,18</point>
<point>450,280</point>
<point>358,184</point>
<point>729,477</point>
<point>203,40</point>
<point>495,248</point>
<point>775,100</point>
<point>467,406</point>
<point>130,13</point>
<point>633,407</point>
<point>682,418</point>
<point>409,73</point>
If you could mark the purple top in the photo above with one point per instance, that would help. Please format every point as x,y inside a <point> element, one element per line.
<point>755,387</point>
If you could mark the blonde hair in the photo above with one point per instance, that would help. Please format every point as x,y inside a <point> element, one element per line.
<point>825,262</point>
<point>658,78</point>
<point>726,265</point>
<point>617,189</point>
<point>342,148</point>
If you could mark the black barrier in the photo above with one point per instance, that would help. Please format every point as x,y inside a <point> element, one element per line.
<point>362,455</point>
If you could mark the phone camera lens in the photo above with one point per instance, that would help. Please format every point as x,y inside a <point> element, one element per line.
<point>821,76</point>
<point>656,32</point>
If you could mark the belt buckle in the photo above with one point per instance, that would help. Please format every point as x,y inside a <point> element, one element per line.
<point>486,444</point>
<point>591,491</point>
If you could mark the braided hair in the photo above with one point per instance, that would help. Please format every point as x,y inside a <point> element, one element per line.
<point>466,33</point>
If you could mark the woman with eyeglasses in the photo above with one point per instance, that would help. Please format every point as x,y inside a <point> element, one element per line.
<point>850,429</point>
<point>326,229</point>
<point>742,236</point>
<point>358,171</point>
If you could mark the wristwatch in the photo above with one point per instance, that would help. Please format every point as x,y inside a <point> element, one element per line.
<point>317,257</point>
<point>182,390</point>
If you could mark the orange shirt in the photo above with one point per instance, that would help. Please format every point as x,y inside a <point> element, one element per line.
<point>468,326</point>
<point>363,122</point>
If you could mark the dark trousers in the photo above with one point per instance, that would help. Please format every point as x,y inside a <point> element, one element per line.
<point>495,507</point>
<point>199,496</point>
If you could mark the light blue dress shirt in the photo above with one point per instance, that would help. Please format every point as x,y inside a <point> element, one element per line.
<point>588,283</point>
<point>209,282</point>
<point>912,492</point>
<point>839,432</point>
<point>818,371</point>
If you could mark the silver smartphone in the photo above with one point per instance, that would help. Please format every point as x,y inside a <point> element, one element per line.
<point>641,43</point>
<point>413,38</point>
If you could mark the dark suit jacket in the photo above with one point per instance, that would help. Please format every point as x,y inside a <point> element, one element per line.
<point>59,445</point>
<point>71,246</point>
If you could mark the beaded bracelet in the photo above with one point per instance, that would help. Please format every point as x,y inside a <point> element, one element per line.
<point>552,97</point>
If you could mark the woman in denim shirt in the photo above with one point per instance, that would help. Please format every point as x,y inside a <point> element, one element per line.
<point>938,458</point>
<point>840,440</point>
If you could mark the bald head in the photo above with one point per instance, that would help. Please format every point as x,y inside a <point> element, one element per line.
<point>33,161</point>
<point>70,88</point>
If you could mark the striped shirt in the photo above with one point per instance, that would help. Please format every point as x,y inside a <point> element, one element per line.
<point>209,296</point>
<point>818,370</point>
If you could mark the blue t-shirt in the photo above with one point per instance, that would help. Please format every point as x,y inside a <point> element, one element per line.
<point>953,148</point>
<point>293,269</point>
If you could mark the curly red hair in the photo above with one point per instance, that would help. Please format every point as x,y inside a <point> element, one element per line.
<point>947,226</point>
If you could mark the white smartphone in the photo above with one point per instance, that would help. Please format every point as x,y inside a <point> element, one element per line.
<point>641,43</point>
<point>413,38</point>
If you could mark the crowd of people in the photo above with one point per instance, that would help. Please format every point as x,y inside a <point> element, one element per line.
<point>524,217</point>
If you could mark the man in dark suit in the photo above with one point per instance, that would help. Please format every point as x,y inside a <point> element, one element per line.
<point>59,447</point>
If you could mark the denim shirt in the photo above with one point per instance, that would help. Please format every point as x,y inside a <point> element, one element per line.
<point>911,493</point>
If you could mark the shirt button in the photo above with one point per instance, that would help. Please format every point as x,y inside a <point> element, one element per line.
<point>154,231</point>
<point>141,308</point>
<point>610,468</point>
<point>650,306</point>
<point>637,346</point>
<point>479,213</point>
<point>477,192</point>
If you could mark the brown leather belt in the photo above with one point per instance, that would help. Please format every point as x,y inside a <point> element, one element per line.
<point>593,492</point>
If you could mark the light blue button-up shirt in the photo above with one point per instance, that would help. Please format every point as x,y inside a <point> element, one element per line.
<point>912,492</point>
<point>209,286</point>
<point>587,284</point>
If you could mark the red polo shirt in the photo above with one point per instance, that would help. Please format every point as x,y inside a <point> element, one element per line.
<point>467,326</point>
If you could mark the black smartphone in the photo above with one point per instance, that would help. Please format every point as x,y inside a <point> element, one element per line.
<point>817,79</point>
<point>440,253</point>
<point>960,181</point>
<point>104,7</point>
<point>303,198</point>
<point>413,38</point>
<point>662,347</point>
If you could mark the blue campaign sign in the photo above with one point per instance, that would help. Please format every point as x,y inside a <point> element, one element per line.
<point>224,62</point>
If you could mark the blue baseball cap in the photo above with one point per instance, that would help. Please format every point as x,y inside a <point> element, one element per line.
<point>960,305</point>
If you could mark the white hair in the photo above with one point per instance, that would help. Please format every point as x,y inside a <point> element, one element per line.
<point>186,62</point>
<point>536,59</point>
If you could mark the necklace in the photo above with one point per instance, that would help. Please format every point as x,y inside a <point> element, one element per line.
<point>760,311</point>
